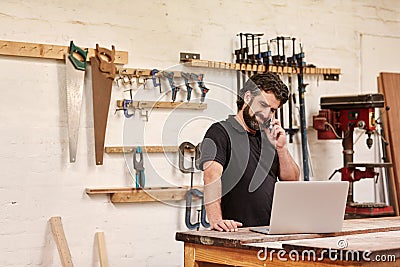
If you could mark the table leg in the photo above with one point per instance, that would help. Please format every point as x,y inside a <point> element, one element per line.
<point>190,260</point>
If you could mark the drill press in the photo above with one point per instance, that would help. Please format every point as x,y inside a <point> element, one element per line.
<point>337,119</point>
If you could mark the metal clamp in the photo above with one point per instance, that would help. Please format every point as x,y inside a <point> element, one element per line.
<point>140,178</point>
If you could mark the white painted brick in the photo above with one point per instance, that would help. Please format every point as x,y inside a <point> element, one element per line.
<point>37,181</point>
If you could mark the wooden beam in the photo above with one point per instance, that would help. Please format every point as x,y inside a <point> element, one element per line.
<point>101,244</point>
<point>152,194</point>
<point>61,241</point>
<point>146,72</point>
<point>36,50</point>
<point>163,104</point>
<point>250,67</point>
<point>111,190</point>
<point>145,149</point>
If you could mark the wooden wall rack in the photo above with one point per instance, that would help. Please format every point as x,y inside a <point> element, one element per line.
<point>151,194</point>
<point>260,68</point>
<point>163,104</point>
<point>36,50</point>
<point>145,72</point>
<point>145,149</point>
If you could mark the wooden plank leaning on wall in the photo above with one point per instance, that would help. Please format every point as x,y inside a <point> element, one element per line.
<point>388,85</point>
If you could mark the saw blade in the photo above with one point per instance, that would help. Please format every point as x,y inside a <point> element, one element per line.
<point>103,74</point>
<point>75,80</point>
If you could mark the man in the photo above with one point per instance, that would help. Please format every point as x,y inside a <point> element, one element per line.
<point>243,156</point>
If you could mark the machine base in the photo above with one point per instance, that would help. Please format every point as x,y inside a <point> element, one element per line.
<point>360,210</point>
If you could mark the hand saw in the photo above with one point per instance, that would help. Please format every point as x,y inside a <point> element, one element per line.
<point>75,77</point>
<point>103,74</point>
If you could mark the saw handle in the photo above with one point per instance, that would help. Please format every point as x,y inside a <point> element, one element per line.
<point>106,58</point>
<point>79,64</point>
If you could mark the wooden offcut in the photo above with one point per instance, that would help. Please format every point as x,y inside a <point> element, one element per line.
<point>61,241</point>
<point>389,84</point>
<point>48,51</point>
<point>101,243</point>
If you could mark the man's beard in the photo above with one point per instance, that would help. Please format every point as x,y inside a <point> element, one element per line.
<point>250,121</point>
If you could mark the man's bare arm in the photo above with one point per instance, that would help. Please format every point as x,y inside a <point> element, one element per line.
<point>212,198</point>
<point>288,169</point>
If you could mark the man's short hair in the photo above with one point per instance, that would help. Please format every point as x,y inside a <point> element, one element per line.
<point>268,82</point>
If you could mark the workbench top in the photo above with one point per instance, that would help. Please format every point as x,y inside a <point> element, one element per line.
<point>244,238</point>
<point>362,242</point>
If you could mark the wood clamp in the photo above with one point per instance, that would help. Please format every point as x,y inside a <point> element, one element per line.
<point>193,192</point>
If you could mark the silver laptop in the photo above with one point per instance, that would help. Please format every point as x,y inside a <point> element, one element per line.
<point>307,207</point>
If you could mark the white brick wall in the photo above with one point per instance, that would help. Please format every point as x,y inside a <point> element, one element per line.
<point>37,181</point>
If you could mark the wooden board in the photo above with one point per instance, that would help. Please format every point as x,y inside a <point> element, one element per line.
<point>145,149</point>
<point>391,179</point>
<point>152,194</point>
<point>163,104</point>
<point>261,68</point>
<point>389,85</point>
<point>245,236</point>
<point>101,243</point>
<point>61,241</point>
<point>97,191</point>
<point>23,49</point>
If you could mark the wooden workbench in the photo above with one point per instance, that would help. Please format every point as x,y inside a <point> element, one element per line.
<point>361,243</point>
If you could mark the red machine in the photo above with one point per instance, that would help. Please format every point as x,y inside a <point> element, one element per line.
<point>337,119</point>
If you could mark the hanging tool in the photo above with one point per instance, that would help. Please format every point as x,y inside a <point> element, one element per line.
<point>186,77</point>
<point>290,130</point>
<point>170,78</point>
<point>154,78</point>
<point>103,74</point>
<point>187,146</point>
<point>303,126</point>
<point>292,62</point>
<point>253,58</point>
<point>75,77</point>
<point>280,59</point>
<point>240,55</point>
<point>125,104</point>
<point>199,78</point>
<point>197,152</point>
<point>259,55</point>
<point>140,178</point>
<point>266,57</point>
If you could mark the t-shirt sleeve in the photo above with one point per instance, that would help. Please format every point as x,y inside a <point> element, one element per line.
<point>215,146</point>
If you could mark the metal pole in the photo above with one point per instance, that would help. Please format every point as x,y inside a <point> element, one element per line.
<point>302,89</point>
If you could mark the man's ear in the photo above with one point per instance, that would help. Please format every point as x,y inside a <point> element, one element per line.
<point>247,97</point>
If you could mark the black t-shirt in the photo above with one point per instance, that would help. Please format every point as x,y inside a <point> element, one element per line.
<point>250,170</point>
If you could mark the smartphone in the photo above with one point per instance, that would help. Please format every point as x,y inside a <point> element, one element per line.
<point>267,124</point>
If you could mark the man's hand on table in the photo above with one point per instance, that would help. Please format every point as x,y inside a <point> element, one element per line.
<point>226,225</point>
